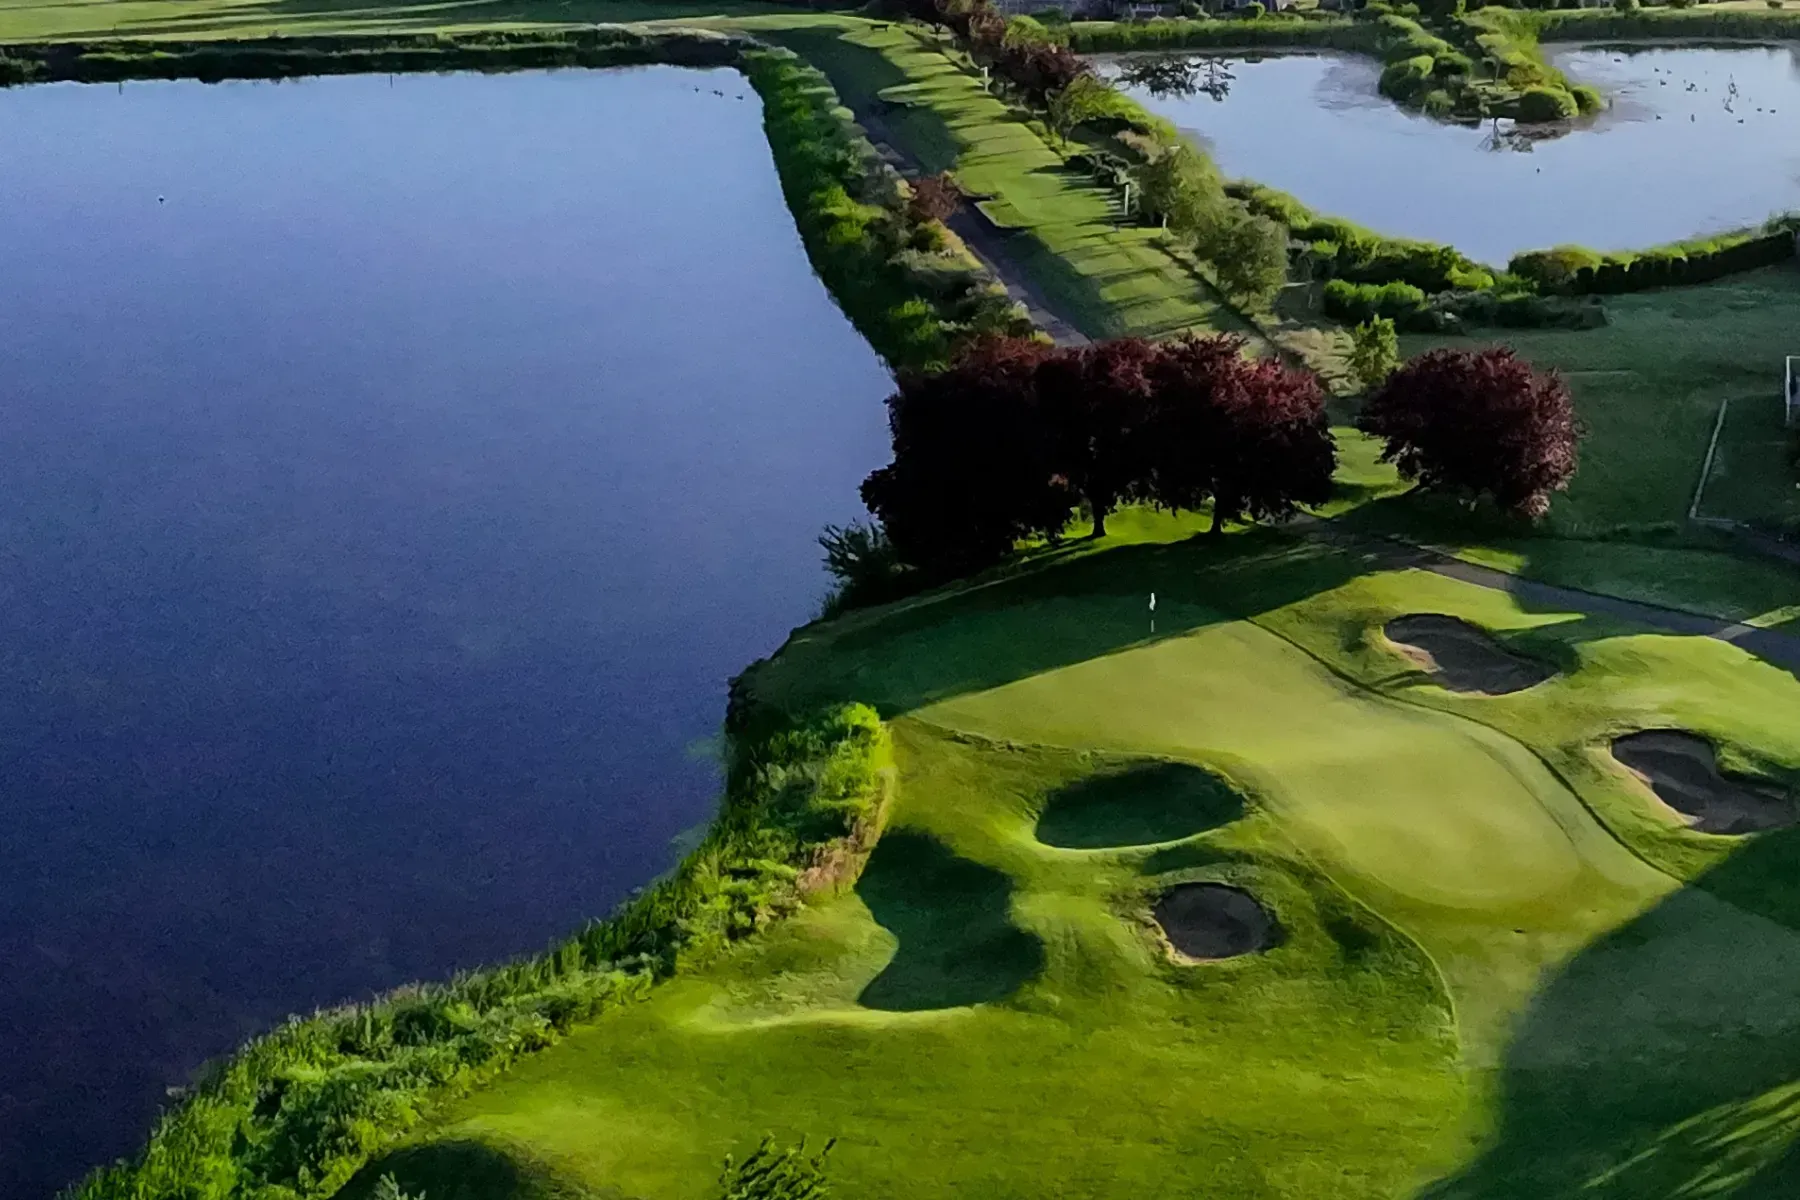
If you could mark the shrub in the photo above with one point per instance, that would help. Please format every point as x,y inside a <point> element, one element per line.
<point>1626,5</point>
<point>771,1174</point>
<point>1249,253</point>
<point>1405,78</point>
<point>1374,353</point>
<point>864,564</point>
<point>1253,11</point>
<point>1555,268</point>
<point>1540,104</point>
<point>1359,302</point>
<point>1587,99</point>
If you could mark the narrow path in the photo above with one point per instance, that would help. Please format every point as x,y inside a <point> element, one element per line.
<point>984,242</point>
<point>1782,649</point>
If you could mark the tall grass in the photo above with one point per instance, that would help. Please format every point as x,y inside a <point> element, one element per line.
<point>295,1113</point>
<point>915,307</point>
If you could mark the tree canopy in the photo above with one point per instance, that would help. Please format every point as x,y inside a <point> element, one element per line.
<point>1004,444</point>
<point>1480,422</point>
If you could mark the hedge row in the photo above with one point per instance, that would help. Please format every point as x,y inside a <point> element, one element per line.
<point>913,298</point>
<point>1341,249</point>
<point>297,1112</point>
<point>1577,270</point>
<point>1451,312</point>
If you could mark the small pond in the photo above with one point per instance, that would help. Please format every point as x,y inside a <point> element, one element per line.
<point>396,470</point>
<point>1698,140</point>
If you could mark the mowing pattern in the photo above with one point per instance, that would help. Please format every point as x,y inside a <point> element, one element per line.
<point>1683,770</point>
<point>990,1013</point>
<point>1463,657</point>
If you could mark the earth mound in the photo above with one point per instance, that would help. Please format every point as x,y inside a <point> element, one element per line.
<point>1212,920</point>
<point>1464,657</point>
<point>1682,768</point>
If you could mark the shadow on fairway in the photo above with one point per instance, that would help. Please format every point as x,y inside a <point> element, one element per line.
<point>958,945</point>
<point>1055,609</point>
<point>1141,805</point>
<point>1663,1062</point>
<point>467,1170</point>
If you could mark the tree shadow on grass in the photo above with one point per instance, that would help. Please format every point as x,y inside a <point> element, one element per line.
<point>464,1169</point>
<point>958,945</point>
<point>1663,1062</point>
<point>1052,610</point>
<point>1141,805</point>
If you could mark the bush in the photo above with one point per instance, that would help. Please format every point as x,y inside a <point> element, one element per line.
<point>1626,5</point>
<point>1360,302</point>
<point>865,565</point>
<point>1555,268</point>
<point>1540,104</point>
<point>1576,270</point>
<point>1253,11</point>
<point>1587,99</point>
<point>1405,78</point>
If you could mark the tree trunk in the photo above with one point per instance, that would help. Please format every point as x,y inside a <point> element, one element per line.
<point>1099,519</point>
<point>1218,521</point>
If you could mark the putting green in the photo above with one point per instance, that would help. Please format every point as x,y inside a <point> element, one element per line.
<point>1476,989</point>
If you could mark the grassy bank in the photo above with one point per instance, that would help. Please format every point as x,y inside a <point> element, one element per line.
<point>1065,232</point>
<point>1468,954</point>
<point>297,1112</point>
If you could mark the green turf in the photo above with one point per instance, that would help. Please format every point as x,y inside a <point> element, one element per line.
<point>1107,278</point>
<point>990,1012</point>
<point>1649,386</point>
<point>1712,582</point>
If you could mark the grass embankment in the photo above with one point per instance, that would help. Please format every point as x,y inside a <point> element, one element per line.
<point>294,1114</point>
<point>1106,277</point>
<point>990,1011</point>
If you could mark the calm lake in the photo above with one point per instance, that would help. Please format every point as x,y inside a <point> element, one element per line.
<point>1698,140</point>
<point>395,472</point>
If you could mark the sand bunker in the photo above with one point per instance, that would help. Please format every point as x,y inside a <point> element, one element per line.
<point>1211,920</point>
<point>1464,657</point>
<point>1683,770</point>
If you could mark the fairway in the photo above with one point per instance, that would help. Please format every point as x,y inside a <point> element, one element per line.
<point>1468,950</point>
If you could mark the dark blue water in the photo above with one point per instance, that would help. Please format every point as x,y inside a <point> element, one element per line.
<point>391,475</point>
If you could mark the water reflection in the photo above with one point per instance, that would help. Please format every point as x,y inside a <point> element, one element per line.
<point>1698,139</point>
<point>395,472</point>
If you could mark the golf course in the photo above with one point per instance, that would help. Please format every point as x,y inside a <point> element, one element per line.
<point>1409,850</point>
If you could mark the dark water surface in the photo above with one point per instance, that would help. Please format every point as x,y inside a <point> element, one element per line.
<point>1681,153</point>
<point>391,475</point>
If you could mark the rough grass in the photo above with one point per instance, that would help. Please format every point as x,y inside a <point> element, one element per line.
<point>991,1014</point>
<point>1649,386</point>
<point>1107,279</point>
